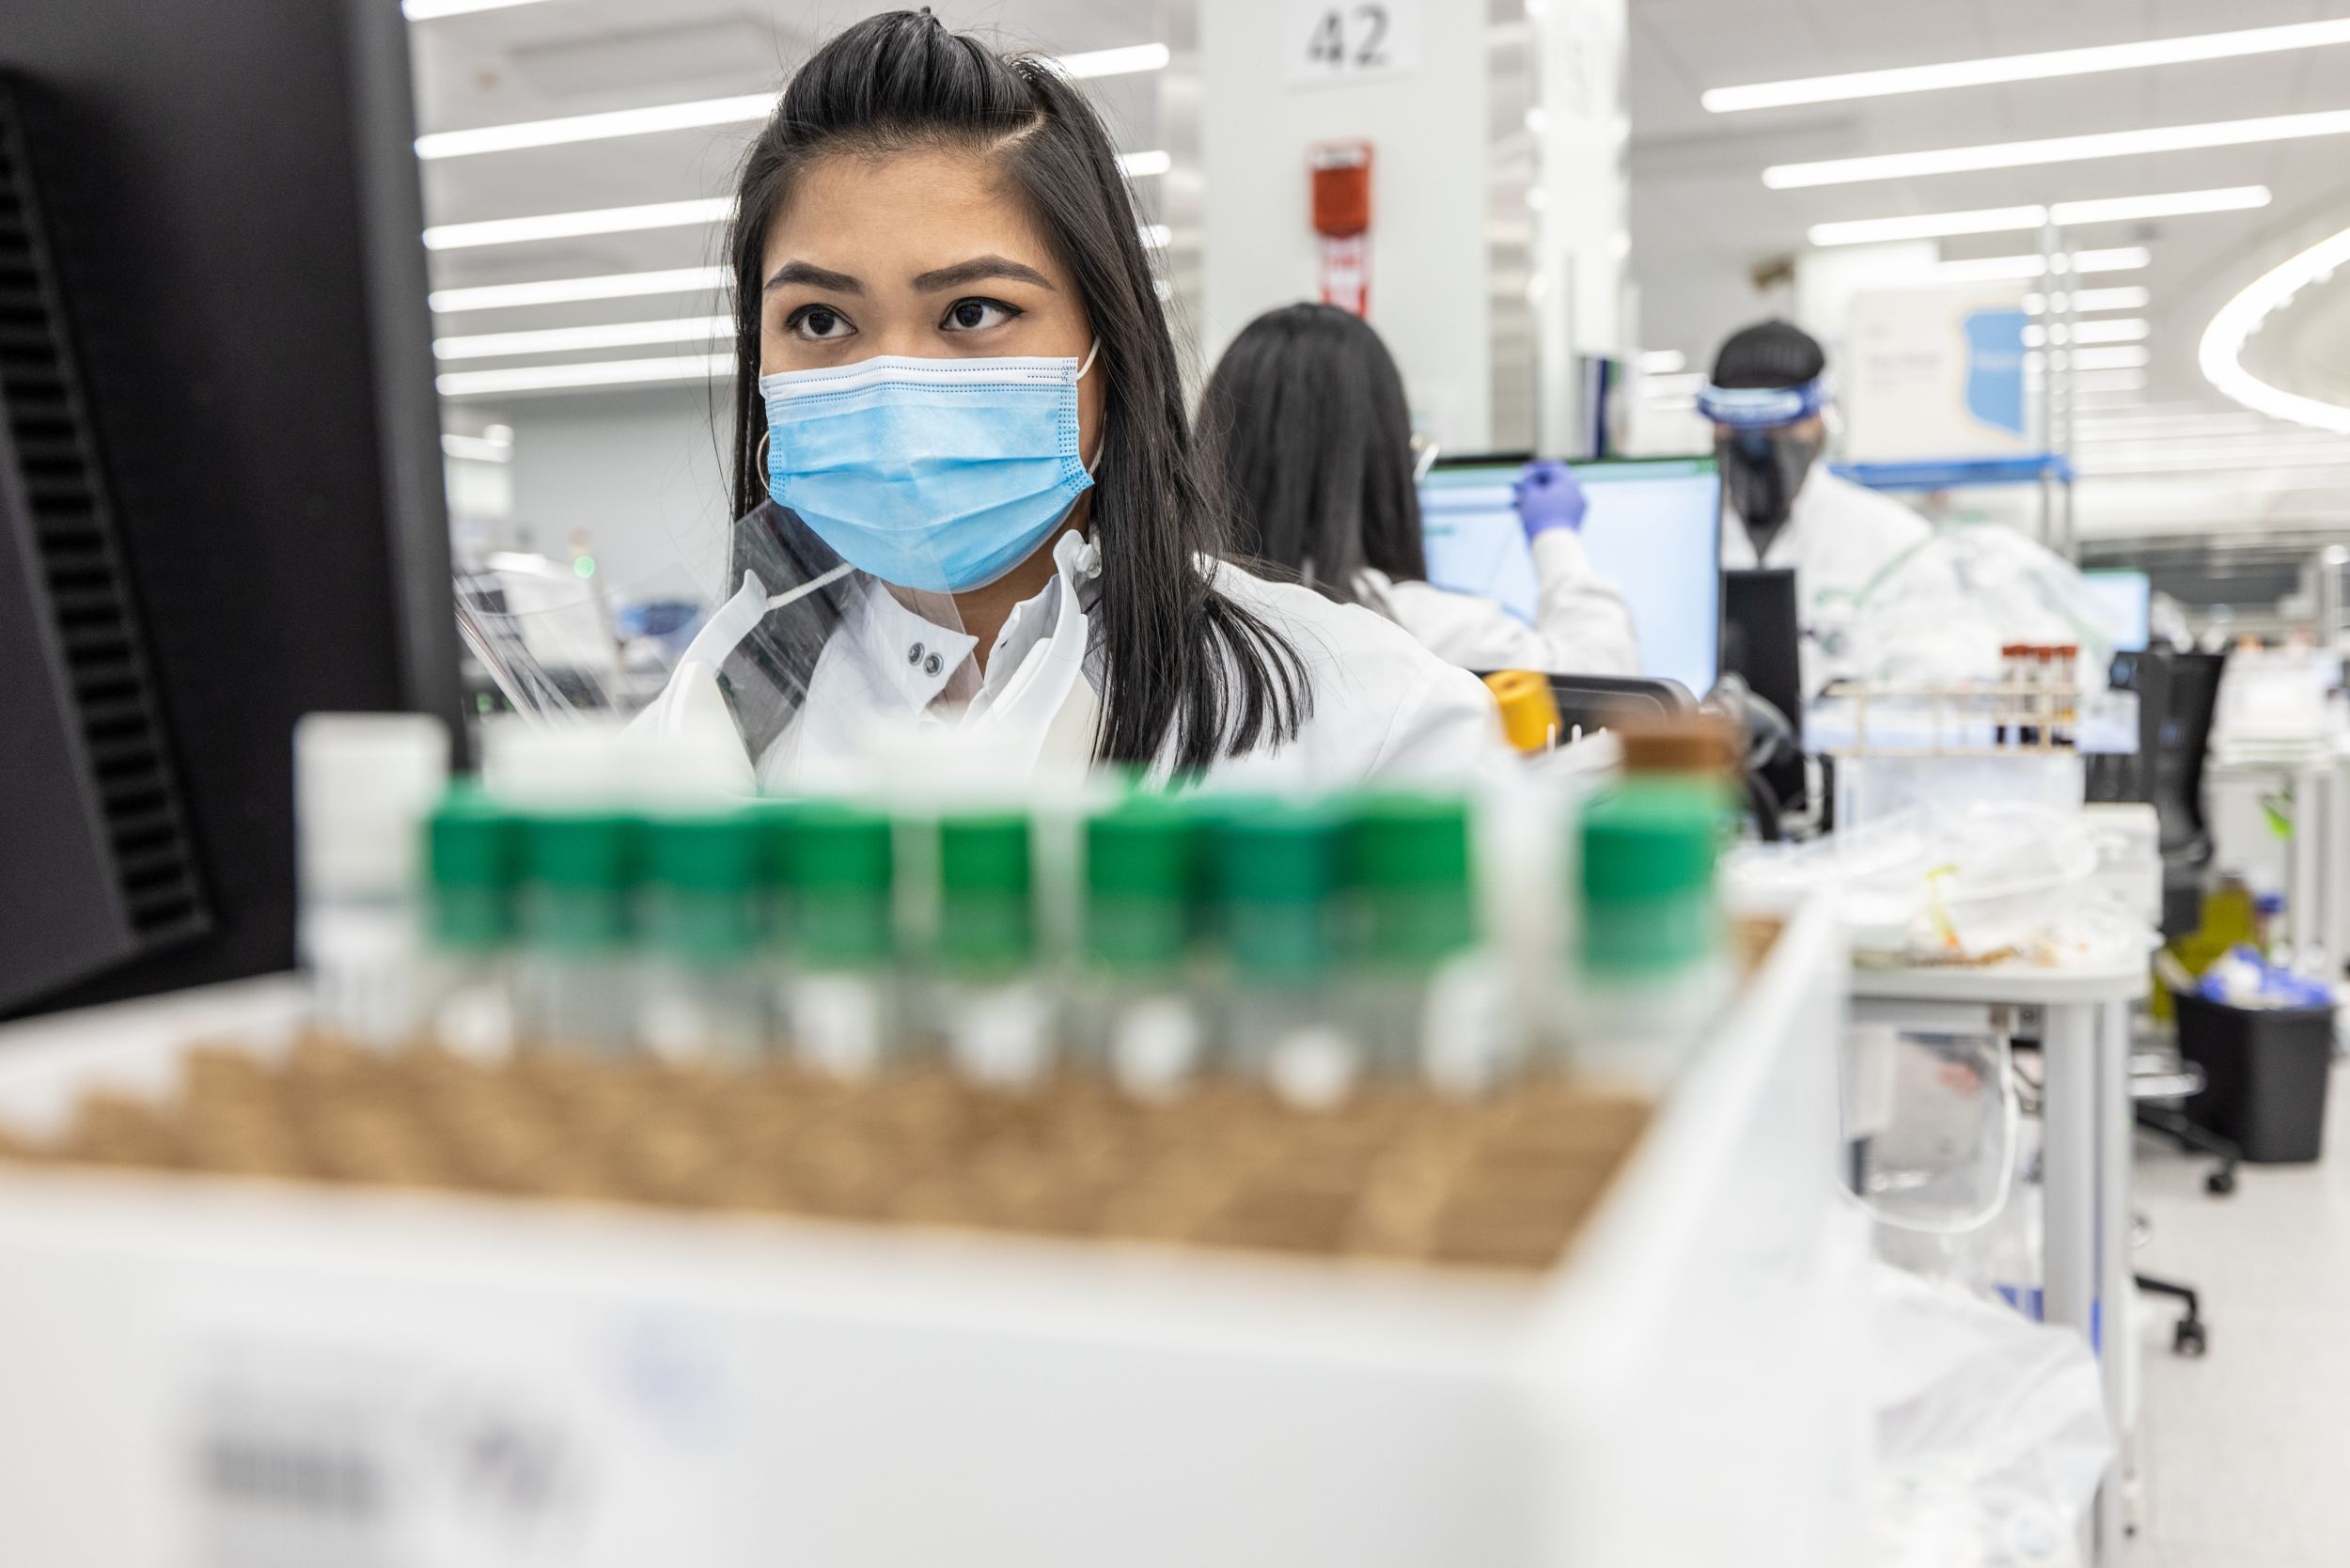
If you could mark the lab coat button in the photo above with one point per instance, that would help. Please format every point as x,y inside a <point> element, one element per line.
<point>913,655</point>
<point>930,666</point>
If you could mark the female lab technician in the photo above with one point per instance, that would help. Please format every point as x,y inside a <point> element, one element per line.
<point>953,377</point>
<point>1306,417</point>
<point>1782,507</point>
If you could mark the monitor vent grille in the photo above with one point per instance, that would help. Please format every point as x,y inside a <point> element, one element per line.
<point>77,561</point>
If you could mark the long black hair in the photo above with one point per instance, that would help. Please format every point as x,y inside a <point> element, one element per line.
<point>1191,675</point>
<point>1305,420</point>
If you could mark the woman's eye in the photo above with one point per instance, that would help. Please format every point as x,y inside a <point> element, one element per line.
<point>819,321</point>
<point>973,315</point>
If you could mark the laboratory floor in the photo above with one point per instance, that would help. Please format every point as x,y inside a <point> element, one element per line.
<point>2241,1453</point>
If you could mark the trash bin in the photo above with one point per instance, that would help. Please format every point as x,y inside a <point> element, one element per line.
<point>2264,1071</point>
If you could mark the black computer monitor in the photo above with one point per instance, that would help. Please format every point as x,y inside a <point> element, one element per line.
<point>1762,645</point>
<point>220,478</point>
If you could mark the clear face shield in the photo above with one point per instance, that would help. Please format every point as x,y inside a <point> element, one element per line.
<point>683,634</point>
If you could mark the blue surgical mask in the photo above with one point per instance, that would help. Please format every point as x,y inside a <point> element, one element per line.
<point>940,475</point>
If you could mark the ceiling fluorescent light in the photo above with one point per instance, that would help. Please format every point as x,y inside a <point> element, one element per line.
<point>2110,381</point>
<point>2084,301</point>
<point>1143,166</point>
<point>567,226</point>
<point>1993,269</point>
<point>432,10</point>
<point>596,127</point>
<point>565,291</point>
<point>2058,150</point>
<point>618,335</point>
<point>610,372</point>
<point>2221,351</point>
<point>1125,61</point>
<point>2025,67</point>
<point>2065,214</point>
<point>2129,329</point>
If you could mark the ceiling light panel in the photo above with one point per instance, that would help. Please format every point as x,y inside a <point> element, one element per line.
<point>568,225</point>
<point>610,372</point>
<point>1996,269</point>
<point>2025,67</point>
<point>566,290</point>
<point>2221,355</point>
<point>2065,214</point>
<point>616,334</point>
<point>2056,149</point>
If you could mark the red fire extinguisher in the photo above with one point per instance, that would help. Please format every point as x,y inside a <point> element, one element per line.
<point>1340,173</point>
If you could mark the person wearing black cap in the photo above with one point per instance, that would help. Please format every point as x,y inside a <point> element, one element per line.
<point>1782,507</point>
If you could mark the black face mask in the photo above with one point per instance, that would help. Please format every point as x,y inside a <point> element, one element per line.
<point>1763,471</point>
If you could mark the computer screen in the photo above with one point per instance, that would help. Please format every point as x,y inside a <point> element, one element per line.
<point>1654,527</point>
<point>2127,600</point>
<point>220,474</point>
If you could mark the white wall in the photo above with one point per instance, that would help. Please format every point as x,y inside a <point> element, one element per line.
<point>1428,208</point>
<point>638,470</point>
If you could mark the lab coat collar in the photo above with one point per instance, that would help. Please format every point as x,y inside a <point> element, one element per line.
<point>903,652</point>
<point>917,658</point>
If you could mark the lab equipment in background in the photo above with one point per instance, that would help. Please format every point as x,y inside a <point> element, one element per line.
<point>2127,600</point>
<point>1941,613</point>
<point>175,590</point>
<point>362,783</point>
<point>1654,527</point>
<point>1762,645</point>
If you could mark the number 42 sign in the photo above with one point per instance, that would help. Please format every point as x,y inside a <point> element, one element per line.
<point>1351,41</point>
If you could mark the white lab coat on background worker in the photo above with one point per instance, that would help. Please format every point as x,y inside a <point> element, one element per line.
<point>1838,537</point>
<point>1581,624</point>
<point>1780,506</point>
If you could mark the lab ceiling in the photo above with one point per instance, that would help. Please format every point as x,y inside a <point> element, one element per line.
<point>1703,220</point>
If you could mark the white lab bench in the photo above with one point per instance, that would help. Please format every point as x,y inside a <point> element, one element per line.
<point>2085,1154</point>
<point>209,1369</point>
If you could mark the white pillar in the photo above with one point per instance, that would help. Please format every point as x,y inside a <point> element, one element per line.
<point>1425,113</point>
<point>1582,225</point>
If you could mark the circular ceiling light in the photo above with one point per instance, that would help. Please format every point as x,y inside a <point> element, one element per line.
<point>2221,354</point>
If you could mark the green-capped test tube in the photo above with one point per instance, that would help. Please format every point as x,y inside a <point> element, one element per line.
<point>993,1008</point>
<point>704,988</point>
<point>471,863</point>
<point>1429,998</point>
<point>1277,872</point>
<point>838,866</point>
<point>1141,1019</point>
<point>1652,968</point>
<point>576,974</point>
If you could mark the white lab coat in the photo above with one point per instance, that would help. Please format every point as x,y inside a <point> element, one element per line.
<point>1581,624</point>
<point>1383,707</point>
<point>1838,537</point>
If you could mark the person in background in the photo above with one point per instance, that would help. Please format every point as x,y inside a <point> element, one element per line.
<point>1306,419</point>
<point>1782,507</point>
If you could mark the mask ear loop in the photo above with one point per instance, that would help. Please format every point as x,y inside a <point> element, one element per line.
<point>1082,366</point>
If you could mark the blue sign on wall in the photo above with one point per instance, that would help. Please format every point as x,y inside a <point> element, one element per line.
<point>1994,367</point>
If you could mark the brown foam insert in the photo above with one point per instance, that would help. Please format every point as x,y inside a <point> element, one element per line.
<point>1399,1171</point>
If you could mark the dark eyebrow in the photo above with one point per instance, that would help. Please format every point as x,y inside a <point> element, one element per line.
<point>964,273</point>
<point>814,277</point>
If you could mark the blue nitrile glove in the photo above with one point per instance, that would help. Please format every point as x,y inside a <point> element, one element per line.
<point>1548,498</point>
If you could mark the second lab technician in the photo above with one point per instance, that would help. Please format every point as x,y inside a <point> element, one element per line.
<point>1780,506</point>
